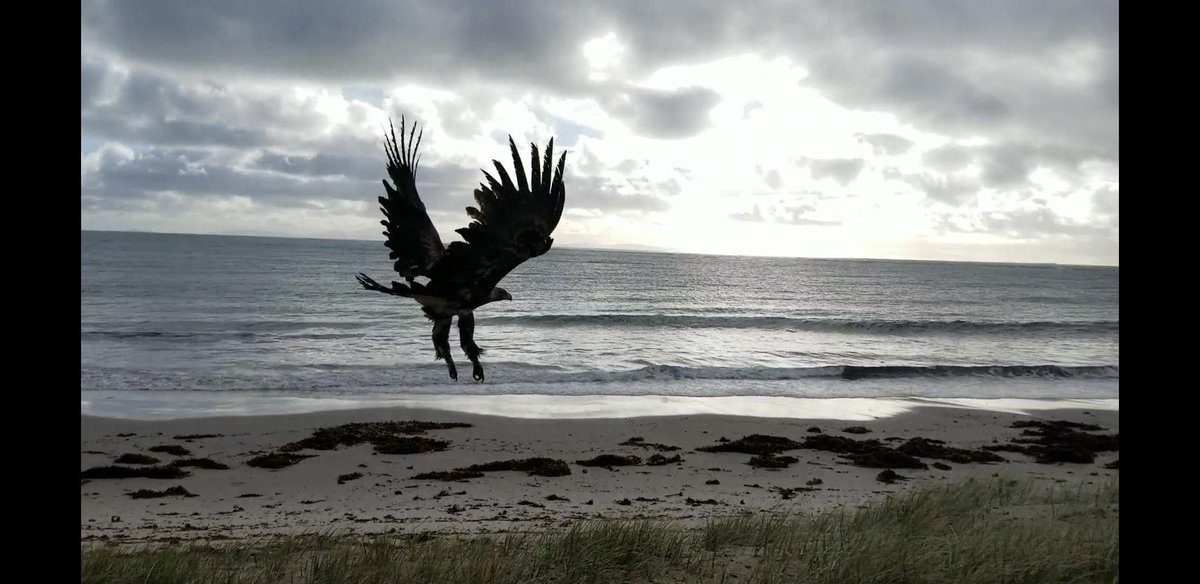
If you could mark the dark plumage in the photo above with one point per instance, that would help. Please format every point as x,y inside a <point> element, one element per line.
<point>511,224</point>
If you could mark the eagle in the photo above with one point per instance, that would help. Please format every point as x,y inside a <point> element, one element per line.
<point>511,224</point>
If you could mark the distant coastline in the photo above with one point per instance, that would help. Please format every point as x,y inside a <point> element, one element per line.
<point>617,248</point>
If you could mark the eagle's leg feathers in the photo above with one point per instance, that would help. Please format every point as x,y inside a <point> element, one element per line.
<point>466,337</point>
<point>441,344</point>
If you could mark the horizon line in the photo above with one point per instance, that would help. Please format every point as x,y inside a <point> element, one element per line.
<point>631,248</point>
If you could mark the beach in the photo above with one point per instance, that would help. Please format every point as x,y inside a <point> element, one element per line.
<point>626,292</point>
<point>330,487</point>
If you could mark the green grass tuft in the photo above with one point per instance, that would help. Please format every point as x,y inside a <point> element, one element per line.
<point>995,530</point>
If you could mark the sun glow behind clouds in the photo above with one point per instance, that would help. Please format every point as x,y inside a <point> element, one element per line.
<point>765,199</point>
<point>603,54</point>
<point>759,133</point>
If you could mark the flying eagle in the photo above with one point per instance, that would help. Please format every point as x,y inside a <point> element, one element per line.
<point>512,224</point>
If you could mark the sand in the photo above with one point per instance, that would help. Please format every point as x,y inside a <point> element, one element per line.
<point>308,497</point>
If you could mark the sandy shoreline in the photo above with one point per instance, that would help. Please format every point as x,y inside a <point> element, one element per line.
<point>308,497</point>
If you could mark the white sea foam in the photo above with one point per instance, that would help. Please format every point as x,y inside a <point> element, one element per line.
<point>152,405</point>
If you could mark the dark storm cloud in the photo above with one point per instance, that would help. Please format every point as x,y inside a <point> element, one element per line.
<point>887,144</point>
<point>961,66</point>
<point>344,41</point>
<point>929,61</point>
<point>944,99</point>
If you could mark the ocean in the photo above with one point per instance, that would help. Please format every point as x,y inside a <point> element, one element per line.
<point>230,316</point>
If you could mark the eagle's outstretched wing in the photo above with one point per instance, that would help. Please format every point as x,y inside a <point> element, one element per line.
<point>411,238</point>
<point>512,224</point>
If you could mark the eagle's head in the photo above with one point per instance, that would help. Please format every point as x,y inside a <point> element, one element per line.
<point>499,293</point>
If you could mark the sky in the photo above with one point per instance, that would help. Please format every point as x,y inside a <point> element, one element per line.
<point>939,130</point>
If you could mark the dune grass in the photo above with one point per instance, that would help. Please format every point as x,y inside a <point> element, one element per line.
<point>997,530</point>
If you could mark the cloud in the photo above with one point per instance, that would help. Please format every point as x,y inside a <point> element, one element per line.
<point>193,172</point>
<point>754,215</point>
<point>1006,167</point>
<point>842,170</point>
<point>146,107</point>
<point>666,114</point>
<point>354,41</point>
<point>1033,72</point>
<point>938,94</point>
<point>604,194</point>
<point>1026,224</point>
<point>273,109</point>
<point>318,165</point>
<point>887,144</point>
<point>789,214</point>
<point>568,132</point>
<point>117,172</point>
<point>949,158</point>
<point>772,179</point>
<point>955,67</point>
<point>1106,201</point>
<point>942,188</point>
